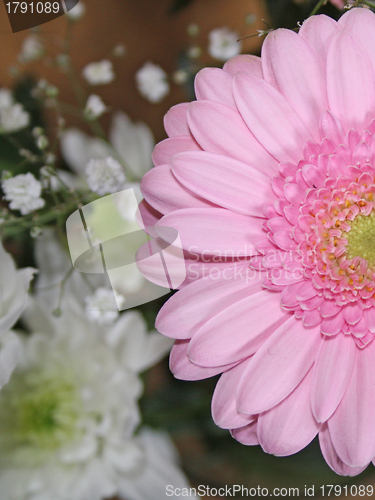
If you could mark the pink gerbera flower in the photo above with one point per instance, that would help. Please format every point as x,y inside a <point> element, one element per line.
<point>269,177</point>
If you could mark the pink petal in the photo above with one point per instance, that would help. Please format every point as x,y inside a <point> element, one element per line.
<point>224,181</point>
<point>187,310</point>
<point>246,435</point>
<point>331,128</point>
<point>331,457</point>
<point>352,313</point>
<point>288,296</point>
<point>329,308</point>
<point>349,68</point>
<point>278,367</point>
<point>224,410</point>
<point>311,318</point>
<point>214,84</point>
<point>292,214</point>
<point>175,121</point>
<point>244,62</point>
<point>359,330</point>
<point>332,325</point>
<point>285,277</point>
<point>283,239</point>
<point>336,166</point>
<point>352,426</point>
<point>220,129</point>
<point>183,369</point>
<point>239,330</point>
<point>290,426</point>
<point>293,193</point>
<point>306,291</point>
<point>291,66</point>
<point>279,224</point>
<point>361,23</point>
<point>147,216</point>
<point>165,193</point>
<point>215,231</point>
<point>270,117</point>
<point>332,371</point>
<point>369,315</point>
<point>318,32</point>
<point>313,303</point>
<point>313,176</point>
<point>164,151</point>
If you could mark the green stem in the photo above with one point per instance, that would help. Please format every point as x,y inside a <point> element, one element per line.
<point>57,310</point>
<point>317,7</point>
<point>17,226</point>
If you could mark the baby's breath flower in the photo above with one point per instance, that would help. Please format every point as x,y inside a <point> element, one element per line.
<point>102,308</point>
<point>99,73</point>
<point>250,19</point>
<point>77,12</point>
<point>119,50</point>
<point>28,155</point>
<point>32,49</point>
<point>105,176</point>
<point>180,76</point>
<point>50,159</point>
<point>13,118</point>
<point>63,61</point>
<point>23,192</point>
<point>95,107</point>
<point>36,232</point>
<point>194,52</point>
<point>152,82</point>
<point>37,131</point>
<point>6,98</point>
<point>192,29</point>
<point>223,44</point>
<point>42,142</point>
<point>52,91</point>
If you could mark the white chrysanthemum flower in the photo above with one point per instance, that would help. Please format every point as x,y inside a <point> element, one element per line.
<point>133,142</point>
<point>99,73</point>
<point>6,98</point>
<point>13,118</point>
<point>105,176</point>
<point>95,107</point>
<point>69,412</point>
<point>223,44</point>
<point>32,49</point>
<point>101,307</point>
<point>23,192</point>
<point>152,82</point>
<point>14,285</point>
<point>76,13</point>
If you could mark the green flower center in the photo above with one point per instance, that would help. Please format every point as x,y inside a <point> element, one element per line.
<point>361,238</point>
<point>39,411</point>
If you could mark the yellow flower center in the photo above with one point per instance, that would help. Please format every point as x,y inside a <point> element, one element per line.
<point>361,238</point>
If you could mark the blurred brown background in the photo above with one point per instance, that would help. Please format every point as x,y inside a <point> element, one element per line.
<point>150,33</point>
